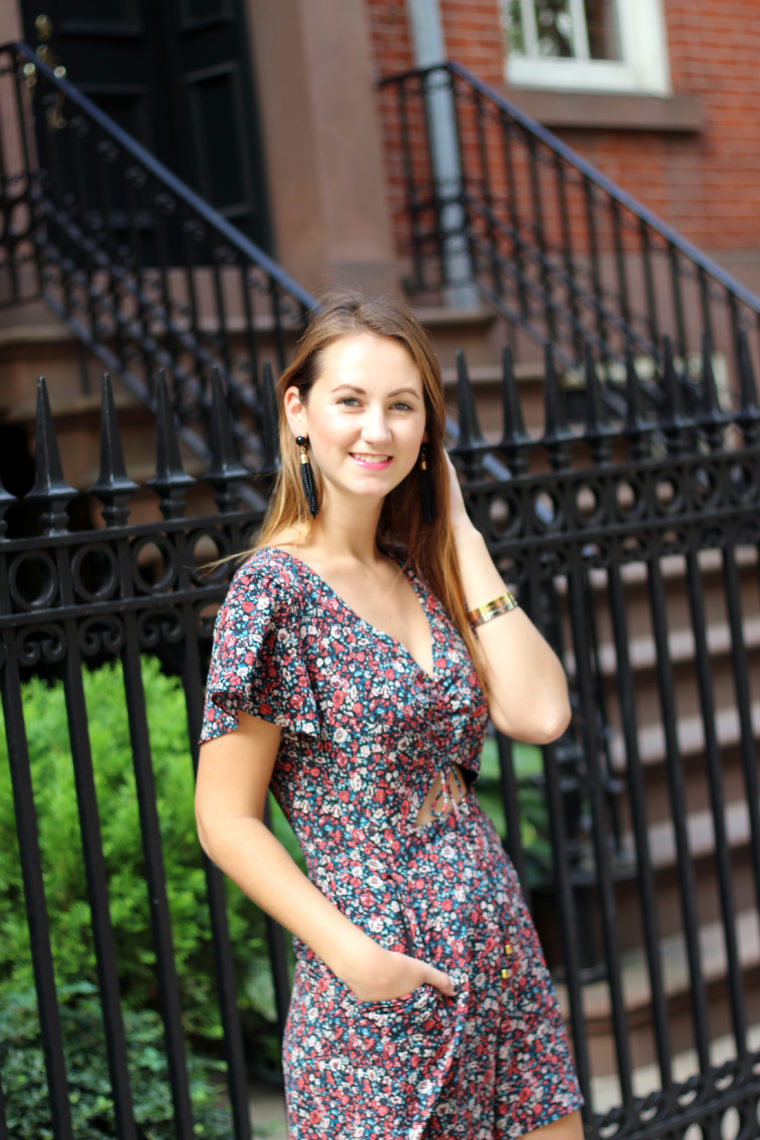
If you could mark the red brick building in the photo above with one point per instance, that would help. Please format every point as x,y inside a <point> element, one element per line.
<point>663,95</point>
<point>685,142</point>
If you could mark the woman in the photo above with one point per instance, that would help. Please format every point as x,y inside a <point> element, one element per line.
<point>356,661</point>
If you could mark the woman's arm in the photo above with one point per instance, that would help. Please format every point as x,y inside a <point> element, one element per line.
<point>528,697</point>
<point>234,771</point>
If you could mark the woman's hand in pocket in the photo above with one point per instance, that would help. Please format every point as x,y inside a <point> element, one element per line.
<point>384,974</point>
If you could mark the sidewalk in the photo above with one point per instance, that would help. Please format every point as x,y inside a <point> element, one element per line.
<point>268,1112</point>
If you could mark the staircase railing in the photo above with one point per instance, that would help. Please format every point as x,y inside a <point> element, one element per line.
<point>565,255</point>
<point>144,272</point>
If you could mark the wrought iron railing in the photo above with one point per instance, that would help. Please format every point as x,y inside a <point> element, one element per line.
<point>590,526</point>
<point>144,272</point>
<point>565,255</point>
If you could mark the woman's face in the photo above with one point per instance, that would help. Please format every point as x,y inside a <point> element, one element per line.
<point>364,416</point>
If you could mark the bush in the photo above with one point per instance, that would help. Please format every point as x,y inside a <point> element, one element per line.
<point>27,1111</point>
<point>61,851</point>
<point>65,885</point>
<point>534,812</point>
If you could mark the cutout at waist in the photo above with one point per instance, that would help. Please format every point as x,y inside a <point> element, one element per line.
<point>438,801</point>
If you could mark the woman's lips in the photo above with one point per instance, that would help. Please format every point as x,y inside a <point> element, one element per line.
<point>376,462</point>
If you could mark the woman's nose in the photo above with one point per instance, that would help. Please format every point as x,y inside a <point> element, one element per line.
<point>375,426</point>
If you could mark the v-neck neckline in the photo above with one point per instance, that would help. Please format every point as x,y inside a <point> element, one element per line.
<point>410,577</point>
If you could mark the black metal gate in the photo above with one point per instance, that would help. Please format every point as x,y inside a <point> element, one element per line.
<point>635,546</point>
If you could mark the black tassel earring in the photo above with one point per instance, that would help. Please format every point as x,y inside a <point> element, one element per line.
<point>426,487</point>
<point>307,476</point>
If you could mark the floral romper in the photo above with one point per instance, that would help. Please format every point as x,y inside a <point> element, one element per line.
<point>365,730</point>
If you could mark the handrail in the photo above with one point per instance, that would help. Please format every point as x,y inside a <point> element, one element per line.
<point>199,205</point>
<point>146,274</point>
<point>568,257</point>
<point>594,175</point>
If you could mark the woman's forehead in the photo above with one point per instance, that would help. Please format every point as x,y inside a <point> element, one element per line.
<point>364,360</point>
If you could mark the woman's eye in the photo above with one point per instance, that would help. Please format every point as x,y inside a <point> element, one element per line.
<point>349,401</point>
<point>403,406</point>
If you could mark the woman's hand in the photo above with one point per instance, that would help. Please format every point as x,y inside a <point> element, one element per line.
<point>528,697</point>
<point>457,510</point>
<point>384,974</point>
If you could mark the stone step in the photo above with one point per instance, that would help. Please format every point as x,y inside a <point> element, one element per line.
<point>690,736</point>
<point>597,1008</point>
<point>667,875</point>
<point>37,343</point>
<point>472,330</point>
<point>606,1092</point>
<point>667,872</point>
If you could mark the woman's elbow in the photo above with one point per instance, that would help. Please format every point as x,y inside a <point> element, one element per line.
<point>542,726</point>
<point>555,721</point>
<point>204,837</point>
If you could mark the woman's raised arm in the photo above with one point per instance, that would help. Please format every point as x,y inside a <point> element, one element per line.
<point>528,697</point>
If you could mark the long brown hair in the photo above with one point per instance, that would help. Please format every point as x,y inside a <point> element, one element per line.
<point>429,547</point>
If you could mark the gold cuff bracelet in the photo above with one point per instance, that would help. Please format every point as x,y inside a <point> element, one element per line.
<point>501,605</point>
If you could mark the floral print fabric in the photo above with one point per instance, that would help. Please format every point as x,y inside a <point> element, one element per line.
<point>365,730</point>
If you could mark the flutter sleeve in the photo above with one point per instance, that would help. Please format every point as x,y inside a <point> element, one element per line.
<point>258,662</point>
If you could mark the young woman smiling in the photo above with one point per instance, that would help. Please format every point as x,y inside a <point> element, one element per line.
<point>359,653</point>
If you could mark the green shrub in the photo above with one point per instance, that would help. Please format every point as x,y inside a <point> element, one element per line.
<point>27,1111</point>
<point>61,851</point>
<point>533,809</point>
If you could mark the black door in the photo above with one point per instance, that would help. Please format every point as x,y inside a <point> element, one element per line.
<point>177,75</point>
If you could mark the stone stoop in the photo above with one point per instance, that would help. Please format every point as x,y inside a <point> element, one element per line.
<point>637,995</point>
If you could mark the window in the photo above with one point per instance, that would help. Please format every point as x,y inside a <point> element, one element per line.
<point>603,45</point>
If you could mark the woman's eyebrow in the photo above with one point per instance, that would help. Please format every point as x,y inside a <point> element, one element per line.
<point>362,391</point>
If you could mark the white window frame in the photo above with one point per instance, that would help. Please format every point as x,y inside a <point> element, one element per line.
<point>643,69</point>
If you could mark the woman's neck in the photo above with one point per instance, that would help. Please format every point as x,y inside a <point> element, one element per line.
<point>339,534</point>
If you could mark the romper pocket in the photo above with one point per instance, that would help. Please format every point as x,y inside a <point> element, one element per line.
<point>422,1002</point>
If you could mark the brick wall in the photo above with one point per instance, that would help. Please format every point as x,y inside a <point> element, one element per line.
<point>706,185</point>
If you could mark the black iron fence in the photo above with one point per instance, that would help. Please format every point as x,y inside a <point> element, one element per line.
<point>142,270</point>
<point>484,196</point>
<point>634,544</point>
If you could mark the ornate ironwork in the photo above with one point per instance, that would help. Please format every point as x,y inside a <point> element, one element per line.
<point>586,522</point>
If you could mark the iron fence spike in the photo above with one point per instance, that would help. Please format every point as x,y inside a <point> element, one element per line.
<point>268,421</point>
<point>597,422</point>
<point>170,481</point>
<point>169,468</point>
<point>556,422</point>
<point>50,489</point>
<point>224,472</point>
<point>634,420</point>
<point>747,385</point>
<point>595,413</point>
<point>469,428</point>
<point>225,466</point>
<point>710,402</point>
<point>112,477</point>
<point>514,423</point>
<point>49,473</point>
<point>670,384</point>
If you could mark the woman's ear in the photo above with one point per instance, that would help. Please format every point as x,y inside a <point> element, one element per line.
<point>295,410</point>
